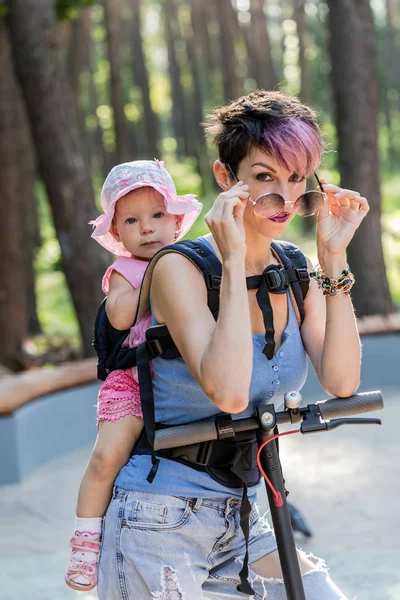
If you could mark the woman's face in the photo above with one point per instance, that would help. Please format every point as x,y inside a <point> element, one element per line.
<point>264,175</point>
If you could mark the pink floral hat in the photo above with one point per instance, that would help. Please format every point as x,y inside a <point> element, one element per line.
<point>124,178</point>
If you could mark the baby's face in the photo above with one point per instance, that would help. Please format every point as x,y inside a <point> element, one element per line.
<point>142,223</point>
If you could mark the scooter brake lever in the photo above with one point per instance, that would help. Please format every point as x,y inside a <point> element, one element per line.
<point>334,423</point>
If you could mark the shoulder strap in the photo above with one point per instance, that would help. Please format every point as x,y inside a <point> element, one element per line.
<point>295,263</point>
<point>202,257</point>
<point>158,339</point>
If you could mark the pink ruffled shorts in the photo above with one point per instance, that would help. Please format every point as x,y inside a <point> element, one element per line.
<point>119,396</point>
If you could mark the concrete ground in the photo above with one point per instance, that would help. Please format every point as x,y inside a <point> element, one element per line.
<point>346,482</point>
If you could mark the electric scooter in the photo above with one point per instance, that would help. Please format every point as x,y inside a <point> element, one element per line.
<point>321,416</point>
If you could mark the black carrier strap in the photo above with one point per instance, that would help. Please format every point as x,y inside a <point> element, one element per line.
<point>292,275</point>
<point>295,263</point>
<point>202,257</point>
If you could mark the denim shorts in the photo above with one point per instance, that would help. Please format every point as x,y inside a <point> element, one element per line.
<point>158,547</point>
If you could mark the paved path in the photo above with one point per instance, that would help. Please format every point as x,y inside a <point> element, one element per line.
<point>347,484</point>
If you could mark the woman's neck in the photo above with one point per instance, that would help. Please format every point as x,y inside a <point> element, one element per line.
<point>258,255</point>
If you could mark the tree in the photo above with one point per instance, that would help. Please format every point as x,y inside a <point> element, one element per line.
<point>231,84</point>
<point>354,73</point>
<point>112,15</point>
<point>75,34</point>
<point>299,15</point>
<point>196,113</point>
<point>260,48</point>
<point>179,109</point>
<point>203,47</point>
<point>99,157</point>
<point>142,81</point>
<point>391,77</point>
<point>17,203</point>
<point>37,52</point>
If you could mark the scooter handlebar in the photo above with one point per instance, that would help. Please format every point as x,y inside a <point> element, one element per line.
<point>347,407</point>
<point>203,431</point>
<point>184,435</point>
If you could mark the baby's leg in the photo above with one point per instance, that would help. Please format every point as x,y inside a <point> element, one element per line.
<point>119,426</point>
<point>120,423</point>
<point>111,452</point>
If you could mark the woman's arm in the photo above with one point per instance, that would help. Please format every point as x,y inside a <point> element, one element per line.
<point>330,336</point>
<point>329,329</point>
<point>218,354</point>
<point>122,301</point>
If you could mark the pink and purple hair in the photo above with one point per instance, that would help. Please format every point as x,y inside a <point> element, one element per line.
<point>277,123</point>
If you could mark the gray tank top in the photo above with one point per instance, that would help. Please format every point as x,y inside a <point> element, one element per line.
<point>179,399</point>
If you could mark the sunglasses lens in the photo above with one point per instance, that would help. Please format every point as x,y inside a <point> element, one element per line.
<point>269,205</point>
<point>310,203</point>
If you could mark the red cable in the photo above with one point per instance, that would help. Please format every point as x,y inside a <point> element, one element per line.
<point>277,495</point>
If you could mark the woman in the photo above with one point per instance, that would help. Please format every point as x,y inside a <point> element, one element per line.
<point>179,537</point>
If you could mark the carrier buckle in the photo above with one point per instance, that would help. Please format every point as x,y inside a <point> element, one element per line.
<point>204,453</point>
<point>213,282</point>
<point>224,425</point>
<point>276,278</point>
<point>154,348</point>
<point>303,275</point>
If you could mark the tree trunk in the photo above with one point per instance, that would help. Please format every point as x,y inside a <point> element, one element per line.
<point>353,59</point>
<point>77,59</point>
<point>196,114</point>
<point>54,125</point>
<point>231,85</point>
<point>142,81</point>
<point>30,227</point>
<point>99,157</point>
<point>15,182</point>
<point>260,48</point>
<point>179,109</point>
<point>203,47</point>
<point>299,15</point>
<point>391,77</point>
<point>112,17</point>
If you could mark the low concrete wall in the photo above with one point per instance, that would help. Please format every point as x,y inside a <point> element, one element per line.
<point>45,428</point>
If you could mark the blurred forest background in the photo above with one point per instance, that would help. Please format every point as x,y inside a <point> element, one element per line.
<point>85,84</point>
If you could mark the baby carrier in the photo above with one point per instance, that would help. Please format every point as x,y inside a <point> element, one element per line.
<point>231,460</point>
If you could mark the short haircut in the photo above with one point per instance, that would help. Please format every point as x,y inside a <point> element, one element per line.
<point>278,124</point>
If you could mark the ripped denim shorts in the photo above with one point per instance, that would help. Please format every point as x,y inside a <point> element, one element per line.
<point>159,547</point>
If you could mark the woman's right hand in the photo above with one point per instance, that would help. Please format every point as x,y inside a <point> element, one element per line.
<point>225,221</point>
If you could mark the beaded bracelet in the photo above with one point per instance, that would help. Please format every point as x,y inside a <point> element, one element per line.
<point>334,287</point>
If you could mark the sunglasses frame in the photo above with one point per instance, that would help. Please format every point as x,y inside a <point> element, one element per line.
<point>254,202</point>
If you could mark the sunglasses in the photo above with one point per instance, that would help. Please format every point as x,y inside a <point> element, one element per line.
<point>271,204</point>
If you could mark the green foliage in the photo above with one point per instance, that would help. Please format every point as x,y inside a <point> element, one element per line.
<point>55,309</point>
<point>69,9</point>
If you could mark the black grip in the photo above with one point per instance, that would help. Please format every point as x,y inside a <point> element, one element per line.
<point>347,407</point>
<point>185,435</point>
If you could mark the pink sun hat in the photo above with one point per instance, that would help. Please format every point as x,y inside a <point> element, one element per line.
<point>124,178</point>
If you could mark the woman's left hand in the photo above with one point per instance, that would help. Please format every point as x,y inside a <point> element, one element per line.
<point>339,218</point>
